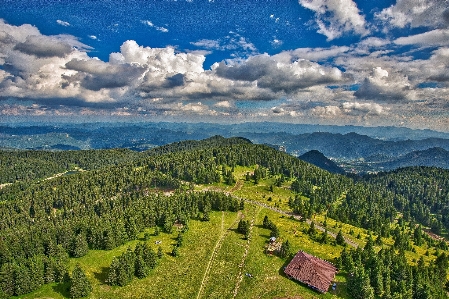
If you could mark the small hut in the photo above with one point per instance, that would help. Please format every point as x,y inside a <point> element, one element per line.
<point>316,273</point>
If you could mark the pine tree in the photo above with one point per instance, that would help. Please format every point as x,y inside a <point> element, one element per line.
<point>149,256</point>
<point>417,235</point>
<point>323,239</point>
<point>174,252</point>
<point>244,227</point>
<point>285,249</point>
<point>141,268</point>
<point>312,230</point>
<point>266,222</point>
<point>80,286</point>
<point>79,246</point>
<point>340,240</point>
<point>274,231</point>
<point>22,280</point>
<point>114,271</point>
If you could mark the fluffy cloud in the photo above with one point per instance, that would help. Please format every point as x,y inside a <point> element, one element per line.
<point>365,108</point>
<point>277,76</point>
<point>326,111</point>
<point>339,84</point>
<point>440,62</point>
<point>383,86</point>
<point>94,74</point>
<point>43,46</point>
<point>162,60</point>
<point>335,17</point>
<point>18,33</point>
<point>416,13</point>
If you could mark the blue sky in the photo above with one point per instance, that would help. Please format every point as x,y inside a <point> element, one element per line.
<point>307,61</point>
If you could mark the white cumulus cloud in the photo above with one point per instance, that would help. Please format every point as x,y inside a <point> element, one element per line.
<point>416,13</point>
<point>336,17</point>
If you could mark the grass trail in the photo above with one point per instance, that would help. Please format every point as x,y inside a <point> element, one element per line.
<point>214,252</point>
<point>245,254</point>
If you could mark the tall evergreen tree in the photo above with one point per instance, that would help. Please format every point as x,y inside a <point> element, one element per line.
<point>285,249</point>
<point>79,284</point>
<point>340,240</point>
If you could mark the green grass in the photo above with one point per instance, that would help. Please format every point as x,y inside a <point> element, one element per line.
<point>181,277</point>
<point>215,254</point>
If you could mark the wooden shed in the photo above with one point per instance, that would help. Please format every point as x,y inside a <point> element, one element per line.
<point>316,273</point>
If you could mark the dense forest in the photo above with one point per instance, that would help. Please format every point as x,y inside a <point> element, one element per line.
<point>119,193</point>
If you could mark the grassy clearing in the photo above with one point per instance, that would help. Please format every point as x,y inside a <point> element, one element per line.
<point>181,277</point>
<point>178,277</point>
<point>268,280</point>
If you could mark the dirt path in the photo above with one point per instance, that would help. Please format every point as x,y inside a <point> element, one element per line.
<point>245,254</point>
<point>238,185</point>
<point>217,247</point>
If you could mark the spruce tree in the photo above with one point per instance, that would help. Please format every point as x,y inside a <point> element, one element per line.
<point>141,268</point>
<point>274,231</point>
<point>266,222</point>
<point>114,270</point>
<point>80,286</point>
<point>340,239</point>
<point>79,246</point>
<point>285,249</point>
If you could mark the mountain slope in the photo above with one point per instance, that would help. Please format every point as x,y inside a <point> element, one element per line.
<point>433,157</point>
<point>318,159</point>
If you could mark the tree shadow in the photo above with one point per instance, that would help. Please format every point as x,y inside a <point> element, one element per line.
<point>102,276</point>
<point>63,289</point>
<point>286,262</point>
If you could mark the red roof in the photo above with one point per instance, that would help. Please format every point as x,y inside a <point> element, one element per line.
<point>311,271</point>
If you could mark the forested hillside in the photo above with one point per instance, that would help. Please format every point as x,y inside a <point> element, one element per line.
<point>122,194</point>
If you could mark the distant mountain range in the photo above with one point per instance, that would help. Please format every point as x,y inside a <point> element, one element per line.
<point>435,156</point>
<point>356,149</point>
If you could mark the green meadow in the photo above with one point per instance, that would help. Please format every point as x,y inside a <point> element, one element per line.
<point>215,261</point>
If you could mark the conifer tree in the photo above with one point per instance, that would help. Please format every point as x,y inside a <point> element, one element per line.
<point>141,268</point>
<point>340,240</point>
<point>79,246</point>
<point>285,249</point>
<point>274,231</point>
<point>79,285</point>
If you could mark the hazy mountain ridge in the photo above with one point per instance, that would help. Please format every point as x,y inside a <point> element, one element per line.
<point>433,157</point>
<point>338,143</point>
